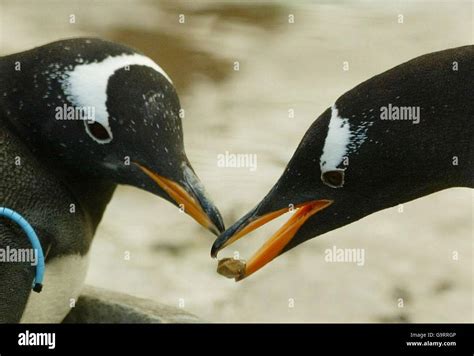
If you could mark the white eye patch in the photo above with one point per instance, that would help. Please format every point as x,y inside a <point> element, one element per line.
<point>86,85</point>
<point>342,139</point>
<point>337,142</point>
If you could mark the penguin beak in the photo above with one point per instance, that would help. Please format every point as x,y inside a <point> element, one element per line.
<point>190,196</point>
<point>275,245</point>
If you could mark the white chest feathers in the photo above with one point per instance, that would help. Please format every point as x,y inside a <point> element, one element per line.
<point>63,281</point>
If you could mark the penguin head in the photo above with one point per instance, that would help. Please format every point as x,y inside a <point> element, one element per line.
<point>349,164</point>
<point>100,109</point>
<point>307,189</point>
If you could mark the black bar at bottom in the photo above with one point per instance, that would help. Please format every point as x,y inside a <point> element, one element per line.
<point>317,339</point>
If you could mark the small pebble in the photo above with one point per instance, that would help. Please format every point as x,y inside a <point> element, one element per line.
<point>231,268</point>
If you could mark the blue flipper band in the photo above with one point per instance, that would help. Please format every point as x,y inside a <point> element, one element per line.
<point>13,215</point>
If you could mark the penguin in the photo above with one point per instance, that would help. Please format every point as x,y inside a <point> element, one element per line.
<point>77,118</point>
<point>396,137</point>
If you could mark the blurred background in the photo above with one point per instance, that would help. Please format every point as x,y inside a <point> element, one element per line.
<point>284,66</point>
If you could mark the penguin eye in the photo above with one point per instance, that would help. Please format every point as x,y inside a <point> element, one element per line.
<point>334,179</point>
<point>98,131</point>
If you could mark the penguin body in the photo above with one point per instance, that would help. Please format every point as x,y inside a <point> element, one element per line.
<point>64,227</point>
<point>60,171</point>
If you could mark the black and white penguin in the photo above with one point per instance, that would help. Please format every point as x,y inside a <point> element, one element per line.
<point>398,136</point>
<point>78,117</point>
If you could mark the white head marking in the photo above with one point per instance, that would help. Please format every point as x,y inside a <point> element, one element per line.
<point>341,140</point>
<point>336,143</point>
<point>86,85</point>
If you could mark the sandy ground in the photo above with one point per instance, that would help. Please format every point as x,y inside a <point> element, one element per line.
<point>409,254</point>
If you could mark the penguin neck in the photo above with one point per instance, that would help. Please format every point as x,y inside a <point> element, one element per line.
<point>92,193</point>
<point>416,125</point>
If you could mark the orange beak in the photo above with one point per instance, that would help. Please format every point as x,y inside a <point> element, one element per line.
<point>274,246</point>
<point>185,201</point>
